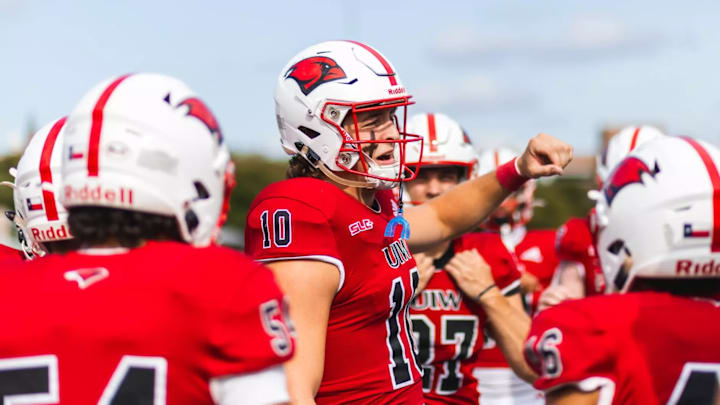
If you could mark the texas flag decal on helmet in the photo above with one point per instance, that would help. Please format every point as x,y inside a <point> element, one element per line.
<point>34,203</point>
<point>314,71</point>
<point>74,154</point>
<point>628,172</point>
<point>690,232</point>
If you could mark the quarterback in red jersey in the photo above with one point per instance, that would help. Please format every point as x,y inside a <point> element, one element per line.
<point>448,324</point>
<point>40,219</point>
<point>329,231</point>
<point>655,339</point>
<point>579,273</point>
<point>146,311</point>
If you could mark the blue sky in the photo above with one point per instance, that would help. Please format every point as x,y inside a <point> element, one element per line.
<point>505,69</point>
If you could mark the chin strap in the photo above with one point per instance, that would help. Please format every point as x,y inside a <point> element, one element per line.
<point>314,160</point>
<point>398,220</point>
<point>346,182</point>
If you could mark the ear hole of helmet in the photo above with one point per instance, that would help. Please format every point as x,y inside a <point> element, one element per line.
<point>202,191</point>
<point>616,246</point>
<point>621,277</point>
<point>310,133</point>
<point>191,220</point>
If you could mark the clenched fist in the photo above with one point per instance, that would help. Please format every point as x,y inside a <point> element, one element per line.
<point>544,156</point>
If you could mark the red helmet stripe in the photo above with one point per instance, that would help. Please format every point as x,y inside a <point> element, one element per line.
<point>383,61</point>
<point>93,164</point>
<point>45,173</point>
<point>432,134</point>
<point>715,180</point>
<point>633,142</point>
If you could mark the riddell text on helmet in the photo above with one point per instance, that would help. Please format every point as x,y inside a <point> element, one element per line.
<point>51,233</point>
<point>120,196</point>
<point>692,268</point>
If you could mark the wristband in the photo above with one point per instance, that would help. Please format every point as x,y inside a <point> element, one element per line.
<point>477,299</point>
<point>509,176</point>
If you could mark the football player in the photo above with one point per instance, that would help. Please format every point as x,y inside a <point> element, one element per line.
<point>329,232</point>
<point>534,253</point>
<point>579,273</point>
<point>448,324</point>
<point>655,339</point>
<point>40,218</point>
<point>533,248</point>
<point>148,310</point>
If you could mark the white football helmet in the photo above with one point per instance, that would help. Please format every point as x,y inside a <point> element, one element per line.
<point>38,213</point>
<point>517,209</point>
<point>146,142</point>
<point>445,143</point>
<point>317,90</point>
<point>621,145</point>
<point>660,208</point>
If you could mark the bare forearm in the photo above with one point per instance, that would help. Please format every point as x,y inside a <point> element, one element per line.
<point>468,204</point>
<point>509,326</point>
<point>302,386</point>
<point>457,211</point>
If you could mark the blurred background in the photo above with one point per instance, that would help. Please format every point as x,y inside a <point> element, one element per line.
<point>504,69</point>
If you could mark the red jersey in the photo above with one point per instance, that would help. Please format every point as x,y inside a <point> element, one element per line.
<point>369,353</point>
<point>536,253</point>
<point>637,348</point>
<point>448,326</point>
<point>7,252</point>
<point>156,322</point>
<point>576,242</point>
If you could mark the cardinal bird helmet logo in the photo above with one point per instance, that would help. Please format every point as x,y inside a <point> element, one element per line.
<point>629,172</point>
<point>311,72</point>
<point>198,109</point>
